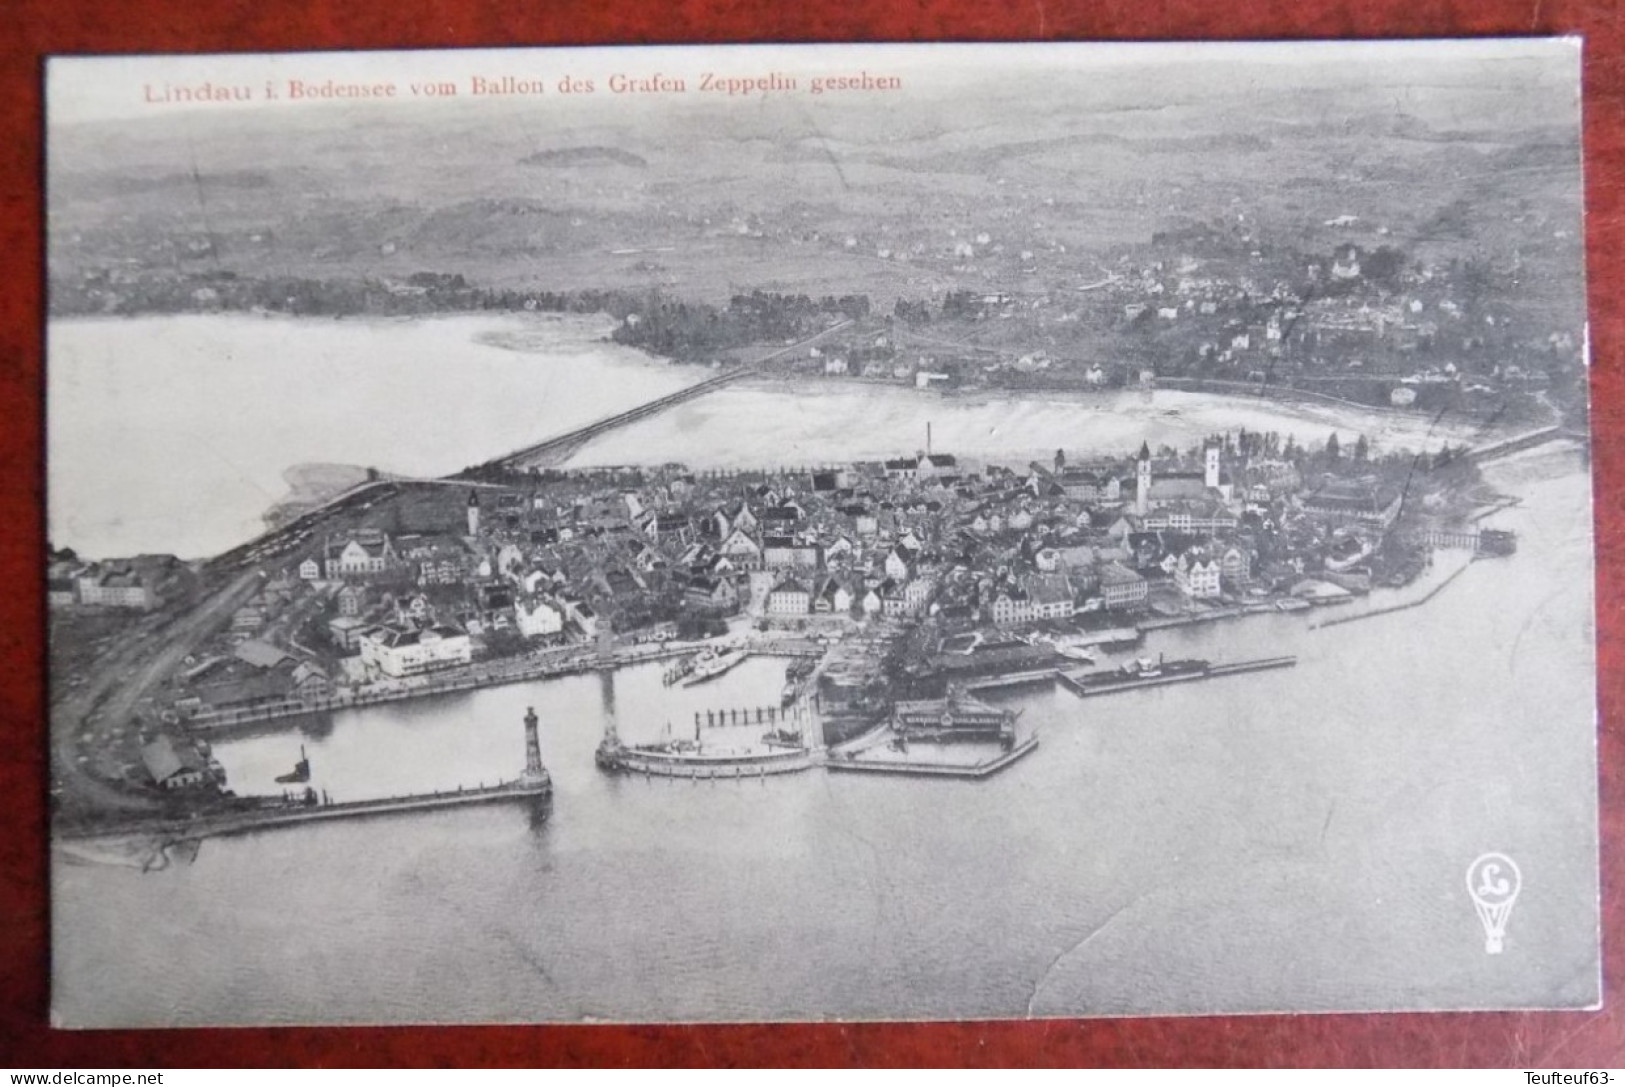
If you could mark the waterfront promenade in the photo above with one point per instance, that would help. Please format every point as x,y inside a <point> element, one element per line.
<point>570,661</point>
<point>580,659</point>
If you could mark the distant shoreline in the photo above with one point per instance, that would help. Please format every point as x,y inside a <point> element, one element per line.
<point>311,486</point>
<point>1216,387</point>
<point>822,440</point>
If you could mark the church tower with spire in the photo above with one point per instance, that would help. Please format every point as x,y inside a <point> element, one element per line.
<point>1142,481</point>
<point>473,513</point>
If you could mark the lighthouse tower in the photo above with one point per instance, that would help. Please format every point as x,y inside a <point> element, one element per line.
<point>534,770</point>
<point>1142,481</point>
<point>473,513</point>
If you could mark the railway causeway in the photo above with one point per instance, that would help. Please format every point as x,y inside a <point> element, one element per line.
<point>559,448</point>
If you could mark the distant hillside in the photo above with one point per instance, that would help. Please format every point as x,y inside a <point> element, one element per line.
<point>584,156</point>
<point>981,160</point>
<point>95,187</point>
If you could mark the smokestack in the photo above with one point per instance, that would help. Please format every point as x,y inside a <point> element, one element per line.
<point>928,439</point>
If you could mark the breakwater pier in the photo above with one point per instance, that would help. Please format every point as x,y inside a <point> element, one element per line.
<point>1447,567</point>
<point>1033,677</point>
<point>269,814</point>
<point>1086,685</point>
<point>701,765</point>
<point>867,756</point>
<point>246,815</point>
<point>294,814</point>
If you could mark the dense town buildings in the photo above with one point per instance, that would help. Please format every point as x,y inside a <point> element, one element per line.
<point>397,651</point>
<point>538,561</point>
<point>141,583</point>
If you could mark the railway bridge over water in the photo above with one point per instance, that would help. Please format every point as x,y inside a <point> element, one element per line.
<point>1515,444</point>
<point>551,452</point>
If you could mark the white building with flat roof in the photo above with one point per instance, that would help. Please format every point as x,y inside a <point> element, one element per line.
<point>400,651</point>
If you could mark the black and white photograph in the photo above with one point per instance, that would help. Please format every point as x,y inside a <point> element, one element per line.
<point>819,533</point>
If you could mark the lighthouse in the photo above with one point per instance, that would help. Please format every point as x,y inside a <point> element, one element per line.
<point>534,770</point>
<point>473,513</point>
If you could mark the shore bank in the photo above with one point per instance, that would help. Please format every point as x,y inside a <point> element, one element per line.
<point>1448,565</point>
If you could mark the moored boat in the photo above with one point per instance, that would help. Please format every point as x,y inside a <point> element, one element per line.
<point>1143,670</point>
<point>709,665</point>
<point>783,752</point>
<point>301,771</point>
<point>1074,648</point>
<point>678,671</point>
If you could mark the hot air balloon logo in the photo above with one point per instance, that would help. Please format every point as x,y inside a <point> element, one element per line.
<point>1493,881</point>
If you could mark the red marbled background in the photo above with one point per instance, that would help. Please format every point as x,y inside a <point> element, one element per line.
<point>35,28</point>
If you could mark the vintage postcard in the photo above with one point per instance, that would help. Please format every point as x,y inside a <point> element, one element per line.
<point>803,533</point>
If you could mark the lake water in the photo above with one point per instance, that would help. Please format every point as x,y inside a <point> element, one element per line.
<point>171,434</point>
<point>1295,839</point>
<point>818,422</point>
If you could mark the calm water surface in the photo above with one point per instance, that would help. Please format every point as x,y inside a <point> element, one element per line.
<point>1293,839</point>
<point>816,422</point>
<point>171,434</point>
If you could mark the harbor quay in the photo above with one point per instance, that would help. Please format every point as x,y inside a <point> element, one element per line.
<point>475,677</point>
